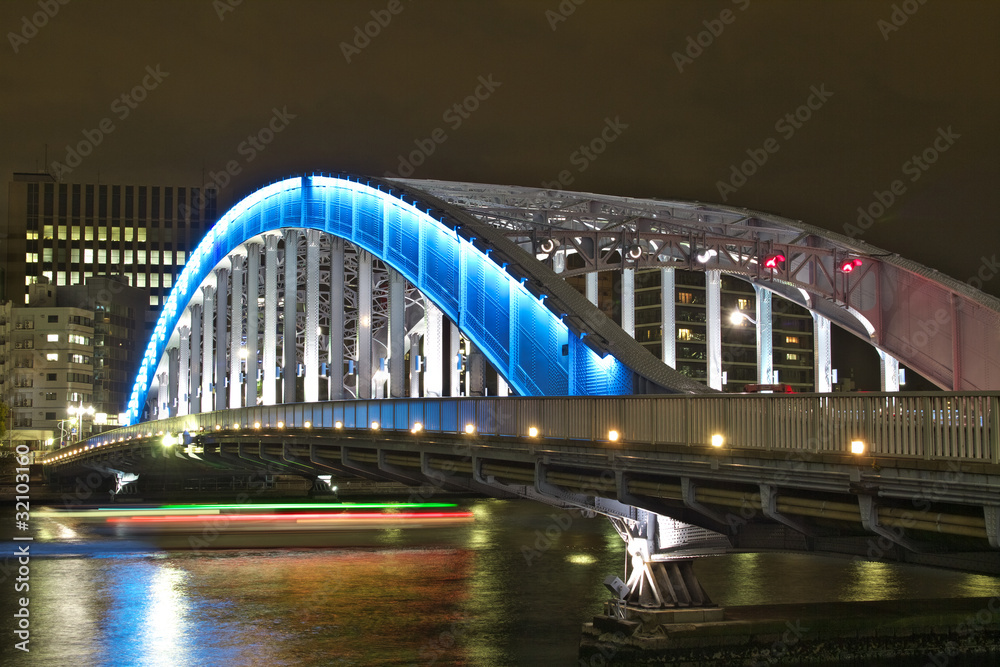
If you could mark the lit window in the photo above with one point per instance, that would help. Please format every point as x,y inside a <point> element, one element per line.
<point>52,338</point>
<point>792,356</point>
<point>793,340</point>
<point>140,280</point>
<point>154,300</point>
<point>683,334</point>
<point>168,280</point>
<point>52,356</point>
<point>685,297</point>
<point>743,304</point>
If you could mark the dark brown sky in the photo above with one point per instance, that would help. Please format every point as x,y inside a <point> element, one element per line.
<point>891,92</point>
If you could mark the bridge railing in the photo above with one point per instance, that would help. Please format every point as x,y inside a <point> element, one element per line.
<point>941,426</point>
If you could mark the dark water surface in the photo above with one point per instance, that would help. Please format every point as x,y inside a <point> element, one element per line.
<point>512,588</point>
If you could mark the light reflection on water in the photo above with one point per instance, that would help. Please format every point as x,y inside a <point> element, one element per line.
<point>506,590</point>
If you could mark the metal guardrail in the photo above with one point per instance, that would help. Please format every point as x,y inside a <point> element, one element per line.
<point>959,426</point>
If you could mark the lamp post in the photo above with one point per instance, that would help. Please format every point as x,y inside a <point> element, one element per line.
<point>737,317</point>
<point>79,411</point>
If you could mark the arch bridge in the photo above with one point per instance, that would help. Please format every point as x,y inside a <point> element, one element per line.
<point>424,331</point>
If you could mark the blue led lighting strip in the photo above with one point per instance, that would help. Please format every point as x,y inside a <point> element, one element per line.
<point>530,347</point>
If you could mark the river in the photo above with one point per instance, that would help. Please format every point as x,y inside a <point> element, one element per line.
<point>511,588</point>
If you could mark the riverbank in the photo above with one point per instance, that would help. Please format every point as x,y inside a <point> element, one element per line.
<point>934,633</point>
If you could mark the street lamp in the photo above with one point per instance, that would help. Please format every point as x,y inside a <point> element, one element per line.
<point>737,317</point>
<point>79,411</point>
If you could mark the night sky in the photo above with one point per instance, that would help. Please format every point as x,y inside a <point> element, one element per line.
<point>686,91</point>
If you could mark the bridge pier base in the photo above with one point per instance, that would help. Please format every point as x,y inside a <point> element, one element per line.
<point>660,585</point>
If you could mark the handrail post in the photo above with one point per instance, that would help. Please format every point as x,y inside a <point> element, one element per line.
<point>927,440</point>
<point>994,439</point>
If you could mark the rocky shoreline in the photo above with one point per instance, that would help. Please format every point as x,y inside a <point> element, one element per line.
<point>926,633</point>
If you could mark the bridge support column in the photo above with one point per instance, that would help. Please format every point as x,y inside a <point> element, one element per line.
<point>656,580</point>
<point>592,295</point>
<point>162,398</point>
<point>668,316</point>
<point>207,348</point>
<point>173,370</point>
<point>236,350</point>
<point>765,340</point>
<point>221,349</point>
<point>184,370</point>
<point>310,353</point>
<point>992,516</point>
<point>454,360</point>
<point>253,322</point>
<point>628,301</point>
<point>890,371</point>
<point>289,356</point>
<point>433,350</point>
<point>363,369</point>
<point>269,356</point>
<point>713,327</point>
<point>194,388</point>
<point>397,332</point>
<point>822,355</point>
<point>336,342</point>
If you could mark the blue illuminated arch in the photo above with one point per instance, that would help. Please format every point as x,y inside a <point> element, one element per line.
<point>527,343</point>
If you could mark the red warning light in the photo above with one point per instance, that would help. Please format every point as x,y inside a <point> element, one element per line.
<point>849,265</point>
<point>772,261</point>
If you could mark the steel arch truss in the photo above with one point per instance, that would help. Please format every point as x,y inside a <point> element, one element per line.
<point>529,345</point>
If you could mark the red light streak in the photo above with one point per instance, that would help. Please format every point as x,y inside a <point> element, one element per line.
<point>345,516</point>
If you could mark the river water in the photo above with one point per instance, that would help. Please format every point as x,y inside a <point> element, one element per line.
<point>511,588</point>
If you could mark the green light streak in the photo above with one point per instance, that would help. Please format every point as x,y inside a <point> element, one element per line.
<point>299,506</point>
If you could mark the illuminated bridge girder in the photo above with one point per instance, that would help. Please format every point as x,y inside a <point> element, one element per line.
<point>435,250</point>
<point>942,328</point>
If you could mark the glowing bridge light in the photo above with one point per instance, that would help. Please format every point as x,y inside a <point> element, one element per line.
<point>532,432</point>
<point>470,428</point>
<point>417,427</point>
<point>613,435</point>
<point>718,440</point>
<point>857,447</point>
<point>704,257</point>
<point>772,261</point>
<point>848,265</point>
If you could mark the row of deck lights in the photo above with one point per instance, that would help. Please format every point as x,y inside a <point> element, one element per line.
<point>717,440</point>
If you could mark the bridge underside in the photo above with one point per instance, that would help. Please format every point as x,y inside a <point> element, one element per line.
<point>821,503</point>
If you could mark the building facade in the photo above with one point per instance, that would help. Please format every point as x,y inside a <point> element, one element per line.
<point>792,327</point>
<point>70,232</point>
<point>69,347</point>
